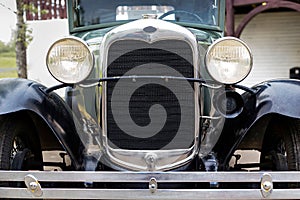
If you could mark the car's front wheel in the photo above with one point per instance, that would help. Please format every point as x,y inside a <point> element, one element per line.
<point>19,145</point>
<point>281,146</point>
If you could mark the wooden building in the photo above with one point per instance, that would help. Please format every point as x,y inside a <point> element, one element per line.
<point>272,30</point>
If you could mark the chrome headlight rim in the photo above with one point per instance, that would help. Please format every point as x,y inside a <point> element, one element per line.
<point>218,41</point>
<point>81,42</point>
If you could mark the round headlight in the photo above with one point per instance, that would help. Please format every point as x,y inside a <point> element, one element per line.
<point>228,60</point>
<point>69,60</point>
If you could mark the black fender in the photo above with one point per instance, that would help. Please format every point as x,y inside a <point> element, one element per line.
<point>280,97</point>
<point>276,98</point>
<point>19,95</point>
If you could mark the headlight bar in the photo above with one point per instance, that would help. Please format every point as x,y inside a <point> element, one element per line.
<point>203,82</point>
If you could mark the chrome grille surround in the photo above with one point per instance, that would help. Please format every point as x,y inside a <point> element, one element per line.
<point>153,160</point>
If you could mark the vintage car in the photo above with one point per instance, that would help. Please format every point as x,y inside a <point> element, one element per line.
<point>153,109</point>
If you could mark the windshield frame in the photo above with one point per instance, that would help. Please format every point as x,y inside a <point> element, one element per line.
<point>72,29</point>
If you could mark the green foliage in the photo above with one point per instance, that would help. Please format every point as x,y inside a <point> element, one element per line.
<point>11,54</point>
<point>8,60</point>
<point>6,48</point>
<point>9,74</point>
<point>23,36</point>
<point>28,35</point>
<point>30,7</point>
<point>8,65</point>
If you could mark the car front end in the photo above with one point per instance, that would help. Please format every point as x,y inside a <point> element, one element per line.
<point>153,109</point>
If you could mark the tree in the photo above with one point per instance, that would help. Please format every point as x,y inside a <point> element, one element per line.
<point>21,45</point>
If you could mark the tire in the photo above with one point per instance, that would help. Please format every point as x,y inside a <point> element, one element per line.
<point>19,146</point>
<point>281,146</point>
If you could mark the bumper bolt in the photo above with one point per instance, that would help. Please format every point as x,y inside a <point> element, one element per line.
<point>267,185</point>
<point>152,185</point>
<point>33,185</point>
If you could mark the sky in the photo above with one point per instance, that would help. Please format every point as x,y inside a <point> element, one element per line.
<point>7,19</point>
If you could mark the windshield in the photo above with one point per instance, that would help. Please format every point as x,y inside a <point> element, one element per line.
<point>92,12</point>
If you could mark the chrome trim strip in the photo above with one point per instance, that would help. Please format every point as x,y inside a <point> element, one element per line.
<point>160,177</point>
<point>163,194</point>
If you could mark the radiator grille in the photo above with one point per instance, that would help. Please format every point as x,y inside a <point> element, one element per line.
<point>151,59</point>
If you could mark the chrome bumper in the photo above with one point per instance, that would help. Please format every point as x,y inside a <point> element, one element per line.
<point>33,189</point>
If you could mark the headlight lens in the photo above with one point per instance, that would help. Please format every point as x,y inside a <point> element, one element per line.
<point>69,60</point>
<point>228,60</point>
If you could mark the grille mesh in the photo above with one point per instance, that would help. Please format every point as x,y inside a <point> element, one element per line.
<point>123,58</point>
